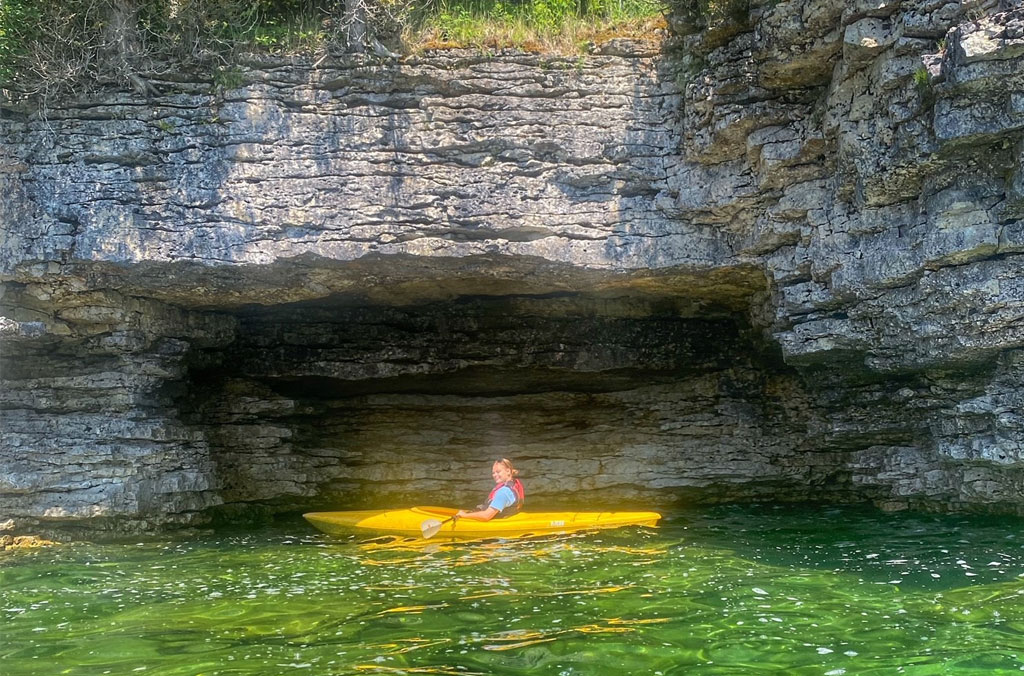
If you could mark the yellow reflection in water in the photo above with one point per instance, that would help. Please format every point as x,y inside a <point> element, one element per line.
<point>649,620</point>
<point>485,595</point>
<point>574,592</point>
<point>407,645</point>
<point>521,644</point>
<point>411,609</point>
<point>391,562</point>
<point>521,638</point>
<point>601,590</point>
<point>486,550</point>
<point>416,670</point>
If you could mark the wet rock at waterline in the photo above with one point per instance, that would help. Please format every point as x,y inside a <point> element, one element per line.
<point>770,258</point>
<point>11,543</point>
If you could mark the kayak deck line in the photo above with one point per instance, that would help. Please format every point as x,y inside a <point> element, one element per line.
<point>409,521</point>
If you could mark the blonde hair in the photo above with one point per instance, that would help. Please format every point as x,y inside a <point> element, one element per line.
<point>508,465</point>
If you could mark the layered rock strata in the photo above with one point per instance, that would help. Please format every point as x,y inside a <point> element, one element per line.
<point>773,256</point>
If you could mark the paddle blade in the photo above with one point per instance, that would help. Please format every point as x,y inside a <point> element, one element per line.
<point>430,528</point>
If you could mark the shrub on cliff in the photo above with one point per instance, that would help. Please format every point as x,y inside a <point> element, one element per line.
<point>51,47</point>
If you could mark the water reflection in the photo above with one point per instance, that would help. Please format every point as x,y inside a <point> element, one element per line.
<point>727,591</point>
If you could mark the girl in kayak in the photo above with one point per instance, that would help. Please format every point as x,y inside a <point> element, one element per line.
<point>506,497</point>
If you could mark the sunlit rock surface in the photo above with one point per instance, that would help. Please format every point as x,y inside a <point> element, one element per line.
<point>773,256</point>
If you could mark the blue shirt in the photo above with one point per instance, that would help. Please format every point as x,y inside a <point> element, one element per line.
<point>504,497</point>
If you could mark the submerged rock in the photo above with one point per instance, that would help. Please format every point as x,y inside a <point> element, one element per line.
<point>12,542</point>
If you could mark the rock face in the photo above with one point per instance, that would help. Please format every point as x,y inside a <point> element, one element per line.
<point>774,256</point>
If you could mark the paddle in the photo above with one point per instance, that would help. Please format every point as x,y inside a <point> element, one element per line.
<point>431,527</point>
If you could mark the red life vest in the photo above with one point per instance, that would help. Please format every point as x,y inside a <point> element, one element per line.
<point>517,489</point>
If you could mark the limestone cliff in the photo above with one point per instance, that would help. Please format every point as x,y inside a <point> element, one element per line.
<point>771,255</point>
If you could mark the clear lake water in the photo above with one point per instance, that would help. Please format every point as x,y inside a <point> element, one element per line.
<point>720,590</point>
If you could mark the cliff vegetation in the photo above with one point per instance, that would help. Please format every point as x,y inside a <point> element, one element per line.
<point>51,47</point>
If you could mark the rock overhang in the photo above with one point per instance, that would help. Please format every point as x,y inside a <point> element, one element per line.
<point>865,222</point>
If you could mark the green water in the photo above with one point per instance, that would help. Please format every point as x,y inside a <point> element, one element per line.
<point>727,590</point>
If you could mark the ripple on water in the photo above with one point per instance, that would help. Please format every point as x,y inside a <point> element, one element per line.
<point>730,590</point>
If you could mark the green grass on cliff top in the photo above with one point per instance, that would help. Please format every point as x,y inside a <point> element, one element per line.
<point>562,26</point>
<point>409,26</point>
<point>56,46</point>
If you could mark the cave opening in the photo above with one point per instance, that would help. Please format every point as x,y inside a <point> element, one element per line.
<point>618,398</point>
<point>395,389</point>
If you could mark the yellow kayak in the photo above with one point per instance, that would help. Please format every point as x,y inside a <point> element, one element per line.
<point>420,521</point>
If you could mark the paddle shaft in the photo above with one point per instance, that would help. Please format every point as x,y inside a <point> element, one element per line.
<point>432,530</point>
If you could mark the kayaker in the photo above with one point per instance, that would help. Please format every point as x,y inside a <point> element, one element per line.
<point>506,497</point>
